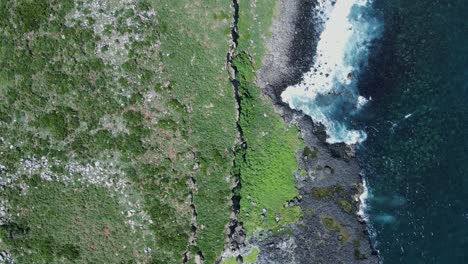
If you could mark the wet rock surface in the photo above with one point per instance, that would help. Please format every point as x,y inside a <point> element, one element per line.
<point>328,177</point>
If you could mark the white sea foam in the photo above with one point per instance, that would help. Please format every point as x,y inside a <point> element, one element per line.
<point>363,199</point>
<point>361,101</point>
<point>327,92</point>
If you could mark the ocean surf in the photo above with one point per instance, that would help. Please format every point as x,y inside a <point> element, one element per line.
<point>328,91</point>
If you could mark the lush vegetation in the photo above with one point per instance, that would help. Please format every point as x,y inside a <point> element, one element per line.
<point>252,256</point>
<point>115,101</point>
<point>118,130</point>
<point>267,162</point>
<point>195,39</point>
<point>68,225</point>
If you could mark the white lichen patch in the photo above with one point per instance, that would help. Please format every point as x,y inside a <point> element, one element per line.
<point>115,124</point>
<point>5,257</point>
<point>4,209</point>
<point>117,24</point>
<point>124,33</point>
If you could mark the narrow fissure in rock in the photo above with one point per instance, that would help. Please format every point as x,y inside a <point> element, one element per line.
<point>193,223</point>
<point>236,233</point>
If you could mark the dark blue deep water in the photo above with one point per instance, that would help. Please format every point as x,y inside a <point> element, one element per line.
<point>416,156</point>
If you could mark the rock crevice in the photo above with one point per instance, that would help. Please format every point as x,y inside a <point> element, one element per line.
<point>235,232</point>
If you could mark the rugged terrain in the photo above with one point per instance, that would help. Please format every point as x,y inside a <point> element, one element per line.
<point>330,231</point>
<point>141,132</point>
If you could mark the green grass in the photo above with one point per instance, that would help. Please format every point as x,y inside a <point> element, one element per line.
<point>252,256</point>
<point>255,18</point>
<point>195,34</point>
<point>70,225</point>
<point>145,109</point>
<point>267,164</point>
<point>63,100</point>
<point>231,260</point>
<point>269,160</point>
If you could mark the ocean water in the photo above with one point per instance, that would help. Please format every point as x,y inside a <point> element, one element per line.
<point>415,158</point>
<point>392,76</point>
<point>328,92</point>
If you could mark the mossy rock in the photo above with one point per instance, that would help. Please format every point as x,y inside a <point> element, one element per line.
<point>331,224</point>
<point>346,206</point>
<point>358,255</point>
<point>328,192</point>
<point>308,152</point>
<point>309,212</point>
<point>252,256</point>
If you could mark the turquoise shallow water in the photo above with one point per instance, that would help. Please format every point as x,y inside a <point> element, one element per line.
<point>416,155</point>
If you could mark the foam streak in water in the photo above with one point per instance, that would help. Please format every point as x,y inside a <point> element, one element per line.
<point>328,91</point>
<point>363,199</point>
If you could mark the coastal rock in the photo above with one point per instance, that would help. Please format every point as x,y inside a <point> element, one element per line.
<point>332,170</point>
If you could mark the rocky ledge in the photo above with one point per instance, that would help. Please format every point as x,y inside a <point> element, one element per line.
<point>328,178</point>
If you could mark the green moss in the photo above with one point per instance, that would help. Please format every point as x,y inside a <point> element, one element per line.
<point>252,256</point>
<point>345,205</point>
<point>331,224</point>
<point>281,230</point>
<point>104,140</point>
<point>231,260</point>
<point>167,124</point>
<point>303,172</point>
<point>309,152</point>
<point>358,255</point>
<point>327,192</point>
<point>133,118</point>
<point>269,161</point>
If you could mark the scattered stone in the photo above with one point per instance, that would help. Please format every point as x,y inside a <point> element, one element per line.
<point>5,257</point>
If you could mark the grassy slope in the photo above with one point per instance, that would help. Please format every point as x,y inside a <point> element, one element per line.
<point>112,121</point>
<point>197,33</point>
<point>143,118</point>
<point>267,169</point>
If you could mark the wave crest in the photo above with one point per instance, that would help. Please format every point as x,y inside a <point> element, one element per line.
<point>328,91</point>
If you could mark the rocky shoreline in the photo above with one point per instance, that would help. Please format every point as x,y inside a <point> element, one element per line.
<point>328,180</point>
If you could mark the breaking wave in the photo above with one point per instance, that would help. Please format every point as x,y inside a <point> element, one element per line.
<point>328,92</point>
